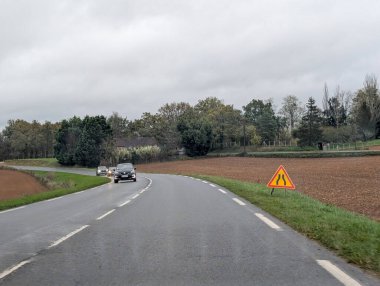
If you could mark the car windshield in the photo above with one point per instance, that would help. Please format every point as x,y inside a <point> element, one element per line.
<point>102,168</point>
<point>125,167</point>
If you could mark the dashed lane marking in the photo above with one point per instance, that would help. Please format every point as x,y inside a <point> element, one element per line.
<point>267,221</point>
<point>239,201</point>
<point>14,268</point>
<point>106,214</point>
<point>337,273</point>
<point>222,191</point>
<point>55,243</point>
<point>125,203</point>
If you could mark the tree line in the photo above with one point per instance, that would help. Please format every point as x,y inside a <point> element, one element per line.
<point>208,125</point>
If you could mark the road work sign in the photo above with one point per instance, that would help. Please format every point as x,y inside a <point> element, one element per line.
<point>281,180</point>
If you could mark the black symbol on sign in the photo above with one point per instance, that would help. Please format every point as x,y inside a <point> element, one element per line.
<point>281,177</point>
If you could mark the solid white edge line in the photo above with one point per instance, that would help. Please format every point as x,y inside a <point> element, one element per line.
<point>106,214</point>
<point>54,199</point>
<point>222,191</point>
<point>125,203</point>
<point>62,239</point>
<point>150,183</point>
<point>267,221</point>
<point>11,210</point>
<point>239,201</point>
<point>337,273</point>
<point>212,185</point>
<point>14,268</point>
<point>135,196</point>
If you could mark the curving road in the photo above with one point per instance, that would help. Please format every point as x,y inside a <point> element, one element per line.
<point>161,230</point>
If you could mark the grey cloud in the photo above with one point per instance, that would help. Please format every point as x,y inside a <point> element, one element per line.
<point>61,58</point>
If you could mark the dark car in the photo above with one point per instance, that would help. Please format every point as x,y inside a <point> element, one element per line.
<point>124,171</point>
<point>101,171</point>
<point>111,171</point>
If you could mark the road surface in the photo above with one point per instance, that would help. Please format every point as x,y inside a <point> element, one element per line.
<point>161,230</point>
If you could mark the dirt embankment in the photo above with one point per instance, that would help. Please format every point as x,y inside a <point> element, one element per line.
<point>350,183</point>
<point>15,184</point>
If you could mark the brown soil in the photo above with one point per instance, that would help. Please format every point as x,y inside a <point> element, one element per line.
<point>350,183</point>
<point>376,148</point>
<point>15,184</point>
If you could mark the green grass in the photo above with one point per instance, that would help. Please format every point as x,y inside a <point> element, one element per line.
<point>40,162</point>
<point>59,184</point>
<point>352,236</point>
<point>375,142</point>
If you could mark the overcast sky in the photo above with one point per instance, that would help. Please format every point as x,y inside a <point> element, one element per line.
<point>64,58</point>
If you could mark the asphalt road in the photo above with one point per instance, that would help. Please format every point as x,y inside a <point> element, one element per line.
<point>161,230</point>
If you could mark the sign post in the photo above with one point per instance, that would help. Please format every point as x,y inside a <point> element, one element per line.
<point>281,180</point>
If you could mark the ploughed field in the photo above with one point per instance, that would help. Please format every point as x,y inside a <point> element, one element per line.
<point>351,183</point>
<point>15,184</point>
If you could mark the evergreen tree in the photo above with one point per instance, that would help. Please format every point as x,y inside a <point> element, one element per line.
<point>262,116</point>
<point>67,139</point>
<point>82,142</point>
<point>196,133</point>
<point>309,132</point>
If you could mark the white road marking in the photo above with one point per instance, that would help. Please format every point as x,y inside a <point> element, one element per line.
<point>14,268</point>
<point>125,203</point>
<point>222,191</point>
<point>239,201</point>
<point>67,236</point>
<point>53,199</point>
<point>106,214</point>
<point>337,273</point>
<point>135,196</point>
<point>267,221</point>
<point>212,185</point>
<point>205,182</point>
<point>198,179</point>
<point>11,210</point>
<point>150,183</point>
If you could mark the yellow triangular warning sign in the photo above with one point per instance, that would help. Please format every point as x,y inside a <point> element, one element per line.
<point>281,180</point>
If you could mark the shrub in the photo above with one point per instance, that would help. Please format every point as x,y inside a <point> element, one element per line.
<point>142,154</point>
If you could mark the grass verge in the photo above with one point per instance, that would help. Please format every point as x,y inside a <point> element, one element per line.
<point>40,162</point>
<point>59,184</point>
<point>354,237</point>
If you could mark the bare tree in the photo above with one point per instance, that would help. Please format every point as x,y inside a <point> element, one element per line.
<point>326,96</point>
<point>366,107</point>
<point>292,111</point>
